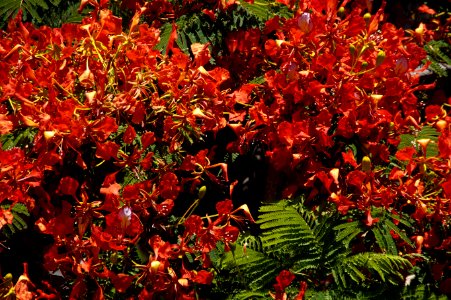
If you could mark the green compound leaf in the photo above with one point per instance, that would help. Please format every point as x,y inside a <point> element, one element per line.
<point>427,132</point>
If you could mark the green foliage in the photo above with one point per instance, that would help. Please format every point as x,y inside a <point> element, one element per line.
<point>439,55</point>
<point>427,132</point>
<point>52,13</point>
<point>292,233</point>
<point>265,10</point>
<point>256,268</point>
<point>65,12</point>
<point>422,291</point>
<point>165,33</point>
<point>199,28</point>
<point>260,9</point>
<point>9,8</point>
<point>250,295</point>
<point>18,138</point>
<point>313,246</point>
<point>19,212</point>
<point>385,267</point>
<point>348,231</point>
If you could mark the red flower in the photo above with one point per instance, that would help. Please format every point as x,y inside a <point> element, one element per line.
<point>168,187</point>
<point>68,186</point>
<point>203,277</point>
<point>283,280</point>
<point>129,135</point>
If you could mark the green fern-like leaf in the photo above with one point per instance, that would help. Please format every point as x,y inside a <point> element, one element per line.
<point>260,9</point>
<point>284,229</point>
<point>258,80</point>
<point>165,33</point>
<point>439,51</point>
<point>422,291</point>
<point>19,211</point>
<point>348,231</point>
<point>427,132</point>
<point>384,239</point>
<point>264,10</point>
<point>312,245</point>
<point>18,138</point>
<point>384,266</point>
<point>9,8</point>
<point>390,225</point>
<point>63,13</point>
<point>257,268</point>
<point>250,295</point>
<point>438,54</point>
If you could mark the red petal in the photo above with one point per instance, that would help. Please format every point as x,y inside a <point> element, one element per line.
<point>224,207</point>
<point>444,144</point>
<point>129,135</point>
<point>122,282</point>
<point>107,150</point>
<point>147,139</point>
<point>203,277</point>
<point>348,157</point>
<point>201,53</point>
<point>68,186</point>
<point>285,278</point>
<point>104,128</point>
<point>447,188</point>
<point>425,9</point>
<point>405,154</point>
<point>356,178</point>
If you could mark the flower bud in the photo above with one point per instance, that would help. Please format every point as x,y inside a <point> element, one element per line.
<point>154,265</point>
<point>401,65</point>
<point>279,42</point>
<point>376,98</point>
<point>380,58</point>
<point>202,192</point>
<point>305,22</point>
<point>366,164</point>
<point>48,134</point>
<point>352,49</point>
<point>391,126</point>
<point>367,18</point>
<point>441,124</point>
<point>183,282</point>
<point>419,243</point>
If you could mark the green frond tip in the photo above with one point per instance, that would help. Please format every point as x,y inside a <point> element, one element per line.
<point>255,268</point>
<point>285,229</point>
<point>439,53</point>
<point>20,137</point>
<point>19,212</point>
<point>250,295</point>
<point>347,232</point>
<point>387,268</point>
<point>422,291</point>
<point>259,9</point>
<point>165,33</point>
<point>427,132</point>
<point>9,8</point>
<point>265,10</point>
